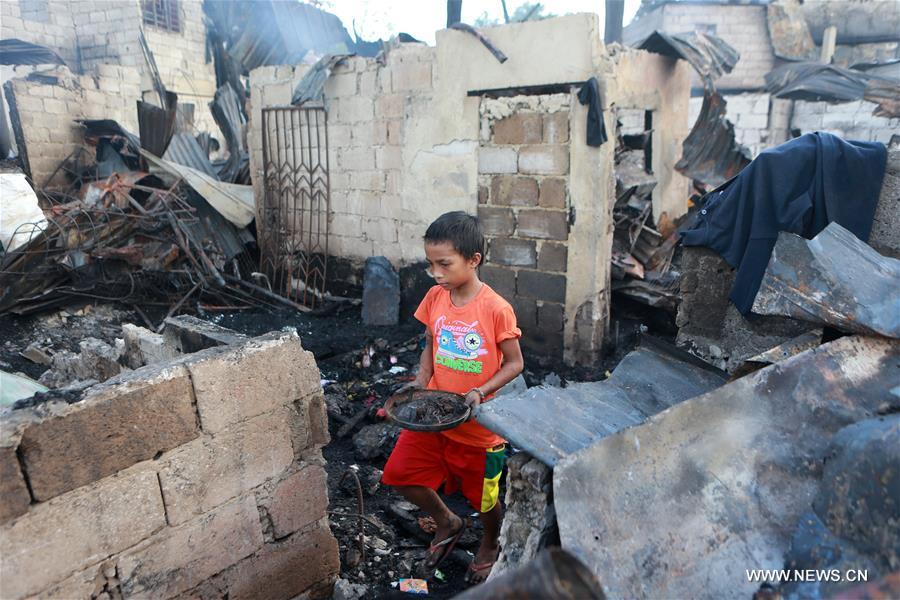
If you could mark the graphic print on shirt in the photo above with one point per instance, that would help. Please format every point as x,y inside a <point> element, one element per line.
<point>459,345</point>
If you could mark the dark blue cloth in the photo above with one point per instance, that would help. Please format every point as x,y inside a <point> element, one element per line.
<point>799,187</point>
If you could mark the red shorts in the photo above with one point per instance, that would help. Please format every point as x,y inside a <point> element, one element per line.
<point>432,459</point>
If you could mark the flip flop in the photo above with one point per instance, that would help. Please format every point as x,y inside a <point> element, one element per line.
<point>438,552</point>
<point>477,568</point>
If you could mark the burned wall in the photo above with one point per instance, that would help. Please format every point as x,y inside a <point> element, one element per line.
<point>523,204</point>
<point>200,476</point>
<point>406,145</point>
<point>43,110</point>
<point>44,22</point>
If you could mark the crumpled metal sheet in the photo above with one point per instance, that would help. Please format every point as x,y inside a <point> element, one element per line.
<point>184,149</point>
<point>19,52</point>
<point>226,110</point>
<point>834,279</point>
<point>311,87</point>
<point>710,153</point>
<point>157,125</point>
<point>711,56</point>
<point>232,201</point>
<point>647,381</point>
<point>678,507</point>
<point>788,31</point>
<point>259,33</point>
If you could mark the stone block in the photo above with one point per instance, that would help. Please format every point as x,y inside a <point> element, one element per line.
<point>389,157</point>
<point>181,557</point>
<point>187,334</point>
<point>497,160</point>
<point>203,474</point>
<point>354,109</point>
<point>302,566</point>
<point>340,85</point>
<point>13,490</point>
<point>411,77</point>
<point>543,224</point>
<point>551,317</point>
<point>545,159</point>
<point>501,280</point>
<point>483,194</point>
<point>553,257</point>
<point>542,286</point>
<point>556,128</point>
<point>497,221</point>
<point>372,181</point>
<point>512,252</point>
<point>130,418</point>
<point>299,500</point>
<point>368,83</point>
<point>53,106</point>
<point>78,529</point>
<point>233,384</point>
<point>514,191</point>
<point>553,193</point>
<point>520,128</point>
<point>381,292</point>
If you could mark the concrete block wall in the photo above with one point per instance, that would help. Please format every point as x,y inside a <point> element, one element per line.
<point>48,23</point>
<point>200,477</point>
<point>523,178</point>
<point>742,26</point>
<point>44,113</point>
<point>850,120</point>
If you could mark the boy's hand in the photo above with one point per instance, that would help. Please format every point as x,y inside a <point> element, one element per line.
<point>473,399</point>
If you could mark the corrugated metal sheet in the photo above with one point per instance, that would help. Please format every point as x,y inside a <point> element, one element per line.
<point>157,125</point>
<point>184,149</point>
<point>647,381</point>
<point>226,110</point>
<point>18,52</point>
<point>711,56</point>
<point>258,33</point>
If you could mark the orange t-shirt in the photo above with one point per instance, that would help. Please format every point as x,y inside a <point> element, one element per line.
<point>467,349</point>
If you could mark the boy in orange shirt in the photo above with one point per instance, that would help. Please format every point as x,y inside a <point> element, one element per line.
<point>472,348</point>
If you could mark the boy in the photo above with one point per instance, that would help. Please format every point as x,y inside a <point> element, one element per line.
<point>471,348</point>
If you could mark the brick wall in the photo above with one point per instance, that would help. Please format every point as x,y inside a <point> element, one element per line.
<point>44,113</point>
<point>199,477</point>
<point>523,178</point>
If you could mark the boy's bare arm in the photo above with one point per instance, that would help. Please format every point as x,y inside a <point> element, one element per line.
<point>513,363</point>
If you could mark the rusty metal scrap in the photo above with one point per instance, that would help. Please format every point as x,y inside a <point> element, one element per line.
<point>671,506</point>
<point>710,153</point>
<point>710,55</point>
<point>791,39</point>
<point>834,279</point>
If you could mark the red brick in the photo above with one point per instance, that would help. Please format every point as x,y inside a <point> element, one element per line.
<point>497,221</point>
<point>543,224</point>
<point>553,257</point>
<point>526,314</point>
<point>318,421</point>
<point>299,500</point>
<point>512,252</point>
<point>551,317</point>
<point>514,191</point>
<point>553,193</point>
<point>520,128</point>
<point>483,194</point>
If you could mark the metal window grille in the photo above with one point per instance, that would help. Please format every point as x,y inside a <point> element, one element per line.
<point>293,222</point>
<point>162,14</point>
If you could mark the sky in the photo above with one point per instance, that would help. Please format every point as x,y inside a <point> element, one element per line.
<point>421,18</point>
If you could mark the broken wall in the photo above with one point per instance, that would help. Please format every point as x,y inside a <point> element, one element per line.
<point>43,112</point>
<point>201,477</point>
<point>744,27</point>
<point>406,145</point>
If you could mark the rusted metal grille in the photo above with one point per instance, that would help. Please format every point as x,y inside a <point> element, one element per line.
<point>293,223</point>
<point>162,14</point>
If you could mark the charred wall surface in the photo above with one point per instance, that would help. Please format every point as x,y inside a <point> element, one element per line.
<point>199,476</point>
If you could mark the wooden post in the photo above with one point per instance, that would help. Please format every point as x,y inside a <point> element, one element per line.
<point>829,41</point>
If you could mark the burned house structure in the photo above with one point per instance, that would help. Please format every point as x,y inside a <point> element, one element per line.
<point>250,186</point>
